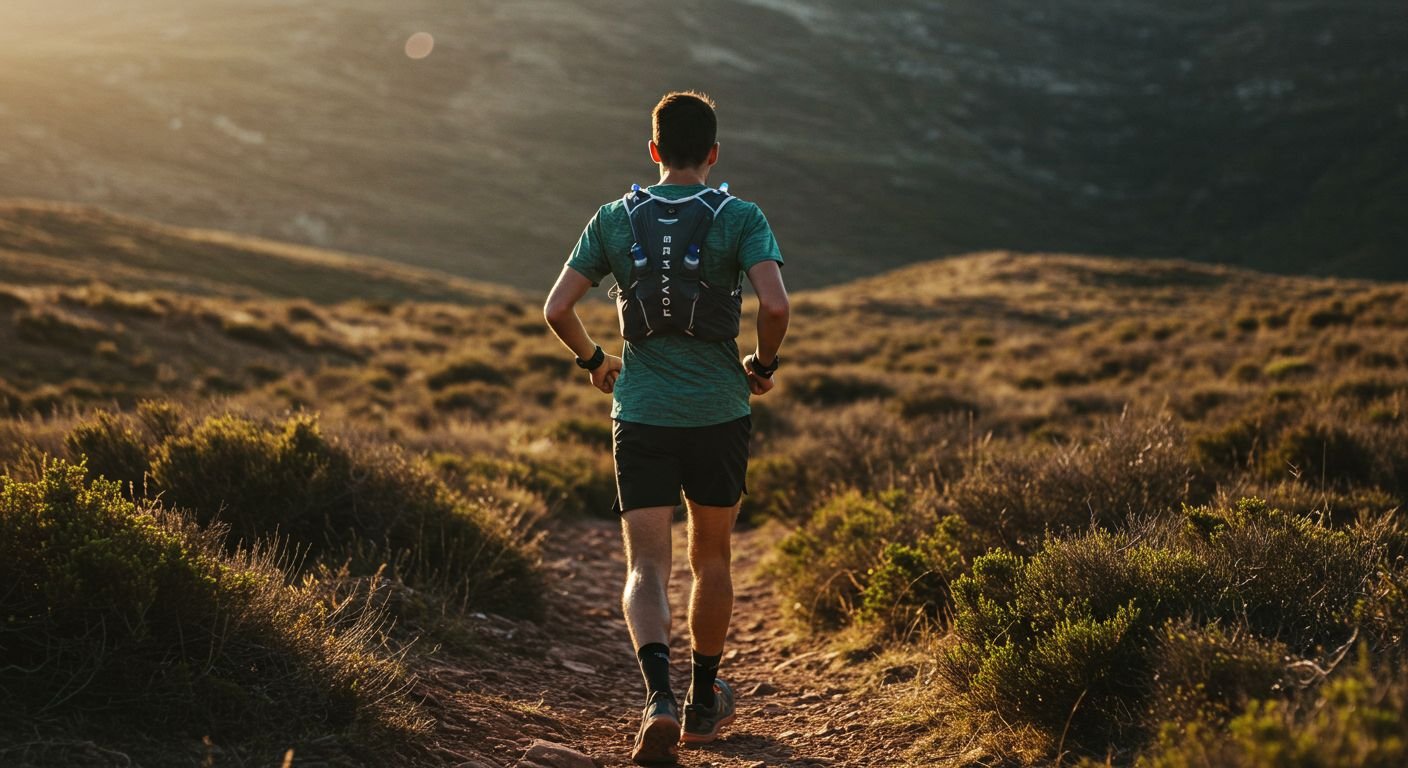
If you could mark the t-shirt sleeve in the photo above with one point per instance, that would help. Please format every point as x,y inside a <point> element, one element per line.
<point>757,243</point>
<point>589,255</point>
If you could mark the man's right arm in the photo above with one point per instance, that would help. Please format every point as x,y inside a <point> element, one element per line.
<point>774,313</point>
<point>560,311</point>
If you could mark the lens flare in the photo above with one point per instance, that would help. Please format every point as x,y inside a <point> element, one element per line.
<point>419,45</point>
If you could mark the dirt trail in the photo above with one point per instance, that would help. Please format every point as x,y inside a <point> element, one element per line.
<point>573,678</point>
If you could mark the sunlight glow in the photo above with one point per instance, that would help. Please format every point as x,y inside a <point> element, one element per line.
<point>419,45</point>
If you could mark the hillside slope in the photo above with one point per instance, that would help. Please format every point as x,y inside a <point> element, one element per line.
<point>1028,393</point>
<point>56,243</point>
<point>1270,135</point>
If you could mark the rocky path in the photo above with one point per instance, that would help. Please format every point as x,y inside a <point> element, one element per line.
<point>572,680</point>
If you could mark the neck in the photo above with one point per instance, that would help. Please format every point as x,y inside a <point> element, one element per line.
<point>684,176</point>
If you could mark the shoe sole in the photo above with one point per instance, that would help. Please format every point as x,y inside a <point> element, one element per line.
<point>705,738</point>
<point>659,745</point>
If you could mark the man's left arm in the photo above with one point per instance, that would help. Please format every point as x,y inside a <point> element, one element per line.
<point>560,310</point>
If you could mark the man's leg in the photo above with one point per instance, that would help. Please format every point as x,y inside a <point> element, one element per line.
<point>646,533</point>
<point>711,598</point>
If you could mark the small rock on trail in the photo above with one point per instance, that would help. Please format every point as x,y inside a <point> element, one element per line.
<point>547,754</point>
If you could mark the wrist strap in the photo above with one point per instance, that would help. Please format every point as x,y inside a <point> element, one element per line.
<point>598,357</point>
<point>765,371</point>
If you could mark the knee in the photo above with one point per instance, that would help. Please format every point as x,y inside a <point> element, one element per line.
<point>710,560</point>
<point>646,573</point>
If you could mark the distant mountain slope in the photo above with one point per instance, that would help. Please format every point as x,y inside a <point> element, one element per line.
<point>1271,134</point>
<point>53,243</point>
<point>1062,289</point>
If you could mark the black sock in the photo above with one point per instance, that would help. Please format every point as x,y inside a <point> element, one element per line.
<point>701,686</point>
<point>655,667</point>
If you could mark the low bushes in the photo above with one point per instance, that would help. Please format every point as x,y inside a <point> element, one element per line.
<point>848,561</point>
<point>1359,718</point>
<point>330,500</point>
<point>571,479</point>
<point>118,615</point>
<point>1129,467</point>
<point>866,446</point>
<point>1102,636</point>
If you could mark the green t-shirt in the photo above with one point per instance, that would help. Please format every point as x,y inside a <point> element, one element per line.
<point>679,381</point>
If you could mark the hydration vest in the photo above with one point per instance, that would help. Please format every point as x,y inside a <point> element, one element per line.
<point>666,292</point>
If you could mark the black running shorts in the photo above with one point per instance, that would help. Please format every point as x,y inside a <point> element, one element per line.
<point>654,463</point>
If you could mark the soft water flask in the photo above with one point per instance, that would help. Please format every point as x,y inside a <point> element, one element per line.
<point>723,187</point>
<point>691,258</point>
<point>638,255</point>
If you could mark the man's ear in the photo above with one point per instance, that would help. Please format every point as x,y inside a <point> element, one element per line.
<point>655,152</point>
<point>713,154</point>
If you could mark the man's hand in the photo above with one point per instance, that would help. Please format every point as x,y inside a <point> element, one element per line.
<point>758,385</point>
<point>604,377</point>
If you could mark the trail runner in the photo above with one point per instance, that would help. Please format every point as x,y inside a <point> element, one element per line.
<point>678,251</point>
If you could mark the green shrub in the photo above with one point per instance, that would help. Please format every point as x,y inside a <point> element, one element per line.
<point>590,432</point>
<point>1097,636</point>
<point>1289,577</point>
<point>928,404</point>
<point>338,502</point>
<point>482,400</point>
<point>1326,315</point>
<point>1210,673</point>
<point>118,616</point>
<point>1062,635</point>
<point>113,448</point>
<point>1359,718</point>
<point>1288,367</point>
<point>909,585</point>
<point>866,446</point>
<point>1129,467</point>
<point>467,371</point>
<point>1234,446</point>
<point>1069,377</point>
<point>1323,453</point>
<point>851,561</point>
<point>571,479</point>
<point>1367,390</point>
<point>819,566</point>
<point>828,389</point>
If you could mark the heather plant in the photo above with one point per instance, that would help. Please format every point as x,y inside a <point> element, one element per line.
<point>909,586</point>
<point>1357,718</point>
<point>866,446</point>
<point>1130,467</point>
<point>571,479</point>
<point>1210,672</point>
<point>119,615</point>
<point>884,560</point>
<point>1101,636</point>
<point>823,389</point>
<point>332,501</point>
<point>113,447</point>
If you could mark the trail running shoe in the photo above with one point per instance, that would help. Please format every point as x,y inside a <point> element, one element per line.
<point>702,724</point>
<point>658,740</point>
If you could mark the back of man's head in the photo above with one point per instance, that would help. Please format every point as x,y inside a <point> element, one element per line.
<point>684,128</point>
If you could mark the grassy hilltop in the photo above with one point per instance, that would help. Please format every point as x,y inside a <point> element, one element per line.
<point>1121,511</point>
<point>1269,135</point>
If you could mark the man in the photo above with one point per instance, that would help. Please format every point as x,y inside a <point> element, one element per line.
<point>681,397</point>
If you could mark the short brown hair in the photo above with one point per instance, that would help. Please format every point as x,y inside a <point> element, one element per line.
<point>684,128</point>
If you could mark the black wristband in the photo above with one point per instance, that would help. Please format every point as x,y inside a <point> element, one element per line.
<point>765,371</point>
<point>598,357</point>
